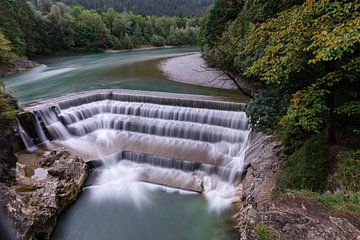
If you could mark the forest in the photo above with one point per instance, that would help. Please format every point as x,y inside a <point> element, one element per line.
<point>303,57</point>
<point>52,27</point>
<point>181,8</point>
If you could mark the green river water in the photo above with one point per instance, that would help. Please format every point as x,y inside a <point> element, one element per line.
<point>109,211</point>
<point>129,70</point>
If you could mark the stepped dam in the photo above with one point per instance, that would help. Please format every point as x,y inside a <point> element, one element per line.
<point>193,143</point>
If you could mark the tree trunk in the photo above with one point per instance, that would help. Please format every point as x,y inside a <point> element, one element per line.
<point>330,132</point>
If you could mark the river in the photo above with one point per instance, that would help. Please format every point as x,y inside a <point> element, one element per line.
<point>119,206</point>
<point>128,70</point>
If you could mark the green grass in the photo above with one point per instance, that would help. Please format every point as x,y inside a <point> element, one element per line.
<point>306,167</point>
<point>348,203</point>
<point>263,232</point>
<point>347,173</point>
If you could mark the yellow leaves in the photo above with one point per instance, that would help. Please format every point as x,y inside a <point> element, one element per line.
<point>297,98</point>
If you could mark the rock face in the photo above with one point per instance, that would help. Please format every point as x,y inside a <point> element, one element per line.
<point>291,217</point>
<point>7,139</point>
<point>34,204</point>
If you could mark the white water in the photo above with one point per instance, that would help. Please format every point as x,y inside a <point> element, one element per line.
<point>177,146</point>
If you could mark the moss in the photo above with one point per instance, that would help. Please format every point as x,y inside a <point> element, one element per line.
<point>263,232</point>
<point>306,167</point>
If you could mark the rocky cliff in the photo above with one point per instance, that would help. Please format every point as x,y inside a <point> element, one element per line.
<point>287,216</point>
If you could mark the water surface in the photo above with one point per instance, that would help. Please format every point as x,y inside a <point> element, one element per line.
<point>129,70</point>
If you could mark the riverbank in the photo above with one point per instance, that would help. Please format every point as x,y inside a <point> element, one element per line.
<point>192,69</point>
<point>265,212</point>
<point>19,65</point>
<point>141,49</point>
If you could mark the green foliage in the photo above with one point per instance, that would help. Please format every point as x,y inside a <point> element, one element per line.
<point>306,168</point>
<point>351,108</point>
<point>310,47</point>
<point>5,50</point>
<point>8,112</point>
<point>347,172</point>
<point>157,40</point>
<point>53,27</point>
<point>266,107</point>
<point>305,117</point>
<point>147,7</point>
<point>263,232</point>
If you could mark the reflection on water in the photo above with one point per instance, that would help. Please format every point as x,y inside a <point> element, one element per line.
<point>129,70</point>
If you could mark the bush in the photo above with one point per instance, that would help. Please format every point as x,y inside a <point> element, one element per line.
<point>266,109</point>
<point>306,168</point>
<point>157,40</point>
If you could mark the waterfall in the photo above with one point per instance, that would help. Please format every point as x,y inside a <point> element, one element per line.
<point>28,142</point>
<point>201,141</point>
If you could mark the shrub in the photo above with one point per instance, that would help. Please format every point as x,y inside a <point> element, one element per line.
<point>266,109</point>
<point>306,167</point>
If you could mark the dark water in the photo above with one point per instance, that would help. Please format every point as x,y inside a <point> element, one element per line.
<point>129,70</point>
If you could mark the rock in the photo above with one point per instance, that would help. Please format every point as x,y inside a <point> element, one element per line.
<point>7,139</point>
<point>19,65</point>
<point>33,210</point>
<point>291,216</point>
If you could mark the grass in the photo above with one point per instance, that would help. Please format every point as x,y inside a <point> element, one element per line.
<point>263,232</point>
<point>347,173</point>
<point>348,203</point>
<point>306,167</point>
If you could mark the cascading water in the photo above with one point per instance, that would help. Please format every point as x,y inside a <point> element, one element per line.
<point>193,144</point>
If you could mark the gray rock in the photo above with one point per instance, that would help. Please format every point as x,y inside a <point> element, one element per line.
<point>292,217</point>
<point>33,210</point>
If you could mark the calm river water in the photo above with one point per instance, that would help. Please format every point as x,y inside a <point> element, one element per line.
<point>130,70</point>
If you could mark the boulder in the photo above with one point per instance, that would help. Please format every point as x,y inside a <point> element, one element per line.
<point>34,205</point>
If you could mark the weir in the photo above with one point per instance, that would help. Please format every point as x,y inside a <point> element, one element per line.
<point>200,136</point>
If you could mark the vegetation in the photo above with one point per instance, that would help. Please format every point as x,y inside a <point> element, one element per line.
<point>25,30</point>
<point>347,174</point>
<point>309,49</point>
<point>305,56</point>
<point>263,232</point>
<point>306,167</point>
<point>8,112</point>
<point>339,201</point>
<point>146,7</point>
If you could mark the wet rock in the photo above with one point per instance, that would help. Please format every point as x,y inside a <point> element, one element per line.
<point>33,209</point>
<point>292,217</point>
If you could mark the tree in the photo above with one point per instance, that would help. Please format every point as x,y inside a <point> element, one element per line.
<point>157,40</point>
<point>5,50</point>
<point>61,33</point>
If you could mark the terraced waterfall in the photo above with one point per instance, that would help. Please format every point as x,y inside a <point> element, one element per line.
<point>192,143</point>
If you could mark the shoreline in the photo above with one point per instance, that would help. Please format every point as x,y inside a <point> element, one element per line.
<point>192,69</point>
<point>19,65</point>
